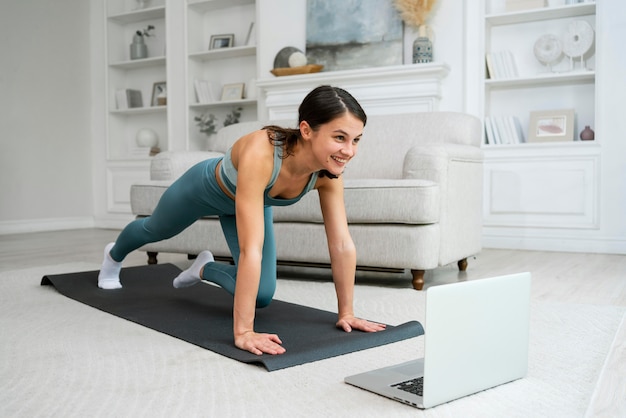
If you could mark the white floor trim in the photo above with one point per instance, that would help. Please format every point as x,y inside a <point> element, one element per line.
<point>41,225</point>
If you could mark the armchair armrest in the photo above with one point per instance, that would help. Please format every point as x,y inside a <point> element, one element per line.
<point>458,169</point>
<point>428,161</point>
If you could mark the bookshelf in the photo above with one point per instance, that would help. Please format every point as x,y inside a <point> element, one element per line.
<point>538,185</point>
<point>236,64</point>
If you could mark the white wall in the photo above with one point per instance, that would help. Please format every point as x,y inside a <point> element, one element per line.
<point>45,156</point>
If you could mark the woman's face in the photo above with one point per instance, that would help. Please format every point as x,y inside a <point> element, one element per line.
<point>335,143</point>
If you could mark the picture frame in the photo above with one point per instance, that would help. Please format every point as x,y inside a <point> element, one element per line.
<point>551,125</point>
<point>250,36</point>
<point>159,94</point>
<point>222,41</point>
<point>233,91</point>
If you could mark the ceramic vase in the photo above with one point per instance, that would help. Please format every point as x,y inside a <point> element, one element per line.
<point>587,134</point>
<point>422,47</point>
<point>138,49</point>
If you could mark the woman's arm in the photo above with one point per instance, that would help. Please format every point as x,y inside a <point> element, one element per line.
<point>342,254</point>
<point>254,159</point>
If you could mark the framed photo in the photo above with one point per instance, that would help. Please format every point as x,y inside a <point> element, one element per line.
<point>222,41</point>
<point>232,92</point>
<point>551,125</point>
<point>159,94</point>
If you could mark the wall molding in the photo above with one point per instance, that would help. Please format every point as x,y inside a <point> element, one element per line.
<point>555,243</point>
<point>42,225</point>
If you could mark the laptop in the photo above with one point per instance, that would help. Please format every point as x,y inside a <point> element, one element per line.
<point>475,338</point>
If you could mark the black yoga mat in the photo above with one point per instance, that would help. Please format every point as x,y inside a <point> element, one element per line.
<point>202,315</point>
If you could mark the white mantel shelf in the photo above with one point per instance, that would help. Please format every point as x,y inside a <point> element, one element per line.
<point>380,90</point>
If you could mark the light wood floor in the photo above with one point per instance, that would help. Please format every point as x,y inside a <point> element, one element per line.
<point>596,279</point>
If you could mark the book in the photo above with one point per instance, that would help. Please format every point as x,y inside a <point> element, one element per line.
<point>128,99</point>
<point>206,91</point>
<point>134,98</point>
<point>489,62</point>
<point>496,133</point>
<point>509,63</point>
<point>489,138</point>
<point>121,102</point>
<point>503,129</point>
<point>518,130</point>
<point>501,64</point>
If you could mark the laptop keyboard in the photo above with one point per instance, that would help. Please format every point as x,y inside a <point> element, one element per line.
<point>415,386</point>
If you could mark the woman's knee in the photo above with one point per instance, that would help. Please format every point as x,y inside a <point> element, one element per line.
<point>265,296</point>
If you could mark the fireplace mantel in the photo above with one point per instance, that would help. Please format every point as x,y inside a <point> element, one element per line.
<point>380,90</point>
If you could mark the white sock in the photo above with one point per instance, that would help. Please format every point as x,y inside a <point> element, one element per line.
<point>191,276</point>
<point>109,276</point>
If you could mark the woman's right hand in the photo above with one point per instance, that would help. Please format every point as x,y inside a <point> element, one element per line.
<point>258,343</point>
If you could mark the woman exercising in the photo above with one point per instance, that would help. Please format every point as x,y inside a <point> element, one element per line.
<point>273,166</point>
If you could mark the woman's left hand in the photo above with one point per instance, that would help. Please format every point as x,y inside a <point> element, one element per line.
<point>349,323</point>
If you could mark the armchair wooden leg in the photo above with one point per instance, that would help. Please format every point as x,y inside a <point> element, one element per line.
<point>152,257</point>
<point>462,264</point>
<point>418,279</point>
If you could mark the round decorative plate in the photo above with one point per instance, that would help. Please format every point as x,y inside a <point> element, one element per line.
<point>547,48</point>
<point>577,39</point>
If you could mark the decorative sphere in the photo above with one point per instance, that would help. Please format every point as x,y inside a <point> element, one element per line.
<point>297,59</point>
<point>146,137</point>
<point>289,56</point>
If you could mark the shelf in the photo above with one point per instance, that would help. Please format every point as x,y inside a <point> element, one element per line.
<point>541,80</point>
<point>138,110</point>
<point>214,54</point>
<point>210,5</point>
<point>139,15</point>
<point>140,63</point>
<point>546,13</point>
<point>394,74</point>
<point>243,102</point>
<point>546,149</point>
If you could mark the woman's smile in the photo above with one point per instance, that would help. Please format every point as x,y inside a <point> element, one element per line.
<point>342,161</point>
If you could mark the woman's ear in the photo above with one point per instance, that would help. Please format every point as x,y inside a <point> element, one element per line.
<point>305,130</point>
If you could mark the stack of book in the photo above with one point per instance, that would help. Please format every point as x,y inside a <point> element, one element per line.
<point>501,65</point>
<point>128,98</point>
<point>503,130</point>
<point>206,91</point>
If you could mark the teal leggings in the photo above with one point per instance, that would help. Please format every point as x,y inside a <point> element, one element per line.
<point>194,195</point>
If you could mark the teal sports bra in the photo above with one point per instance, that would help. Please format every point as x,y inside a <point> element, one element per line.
<point>228,174</point>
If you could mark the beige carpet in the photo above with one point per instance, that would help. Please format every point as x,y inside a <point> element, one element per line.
<point>61,358</point>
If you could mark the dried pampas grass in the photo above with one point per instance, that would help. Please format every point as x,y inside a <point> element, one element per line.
<point>414,12</point>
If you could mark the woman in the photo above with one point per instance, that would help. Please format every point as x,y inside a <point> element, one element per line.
<point>270,167</point>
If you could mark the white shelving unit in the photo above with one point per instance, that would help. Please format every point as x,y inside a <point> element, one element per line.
<point>232,65</point>
<point>140,74</point>
<point>536,88</point>
<point>126,162</point>
<point>540,186</point>
<point>176,57</point>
